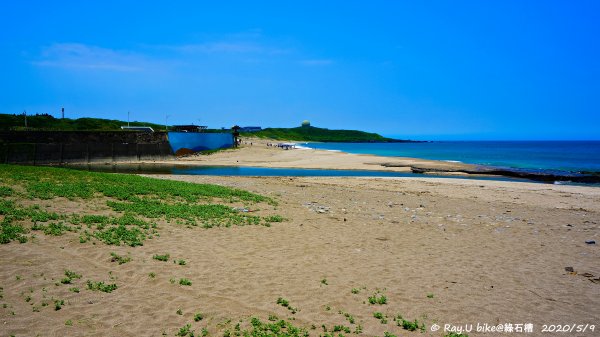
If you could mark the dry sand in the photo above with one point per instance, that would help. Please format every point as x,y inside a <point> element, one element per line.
<point>260,155</point>
<point>489,252</point>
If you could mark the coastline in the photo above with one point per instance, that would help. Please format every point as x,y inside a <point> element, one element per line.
<point>260,155</point>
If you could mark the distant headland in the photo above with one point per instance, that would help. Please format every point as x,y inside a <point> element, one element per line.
<point>307,133</point>
<point>314,134</point>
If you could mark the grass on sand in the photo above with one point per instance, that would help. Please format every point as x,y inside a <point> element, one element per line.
<point>134,205</point>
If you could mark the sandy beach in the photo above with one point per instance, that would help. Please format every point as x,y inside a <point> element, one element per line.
<point>442,251</point>
<point>255,152</point>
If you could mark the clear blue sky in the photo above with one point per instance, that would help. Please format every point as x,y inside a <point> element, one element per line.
<point>412,69</point>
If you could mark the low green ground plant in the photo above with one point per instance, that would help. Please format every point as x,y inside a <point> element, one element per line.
<point>279,328</point>
<point>286,304</point>
<point>381,317</point>
<point>163,258</point>
<point>408,324</point>
<point>342,328</point>
<point>69,277</point>
<point>186,330</point>
<point>348,316</point>
<point>101,286</point>
<point>119,259</point>
<point>6,191</point>
<point>58,304</point>
<point>378,299</point>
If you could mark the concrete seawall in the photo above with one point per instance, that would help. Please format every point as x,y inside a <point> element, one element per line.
<point>53,147</point>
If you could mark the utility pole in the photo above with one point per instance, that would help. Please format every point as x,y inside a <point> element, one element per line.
<point>166,119</point>
<point>25,114</point>
<point>62,110</point>
<point>127,118</point>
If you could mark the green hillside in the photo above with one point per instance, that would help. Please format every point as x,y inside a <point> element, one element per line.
<point>304,133</point>
<point>48,122</point>
<point>314,134</point>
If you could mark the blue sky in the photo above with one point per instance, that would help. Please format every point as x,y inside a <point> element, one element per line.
<point>411,69</point>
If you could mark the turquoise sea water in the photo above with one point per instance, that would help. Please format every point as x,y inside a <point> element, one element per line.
<point>538,156</point>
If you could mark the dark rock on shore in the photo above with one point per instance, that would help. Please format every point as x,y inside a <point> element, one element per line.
<point>543,177</point>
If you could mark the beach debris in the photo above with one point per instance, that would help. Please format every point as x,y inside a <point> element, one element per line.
<point>590,277</point>
<point>315,207</point>
<point>569,269</point>
<point>241,209</point>
<point>590,242</point>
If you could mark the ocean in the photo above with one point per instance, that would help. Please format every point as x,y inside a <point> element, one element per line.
<point>535,156</point>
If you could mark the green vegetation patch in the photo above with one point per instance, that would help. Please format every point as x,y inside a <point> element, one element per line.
<point>69,277</point>
<point>186,330</point>
<point>101,286</point>
<point>381,317</point>
<point>286,304</point>
<point>58,304</point>
<point>408,324</point>
<point>211,215</point>
<point>163,258</point>
<point>9,229</point>
<point>135,198</point>
<point>378,299</point>
<point>280,328</point>
<point>6,191</point>
<point>119,259</point>
<point>49,183</point>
